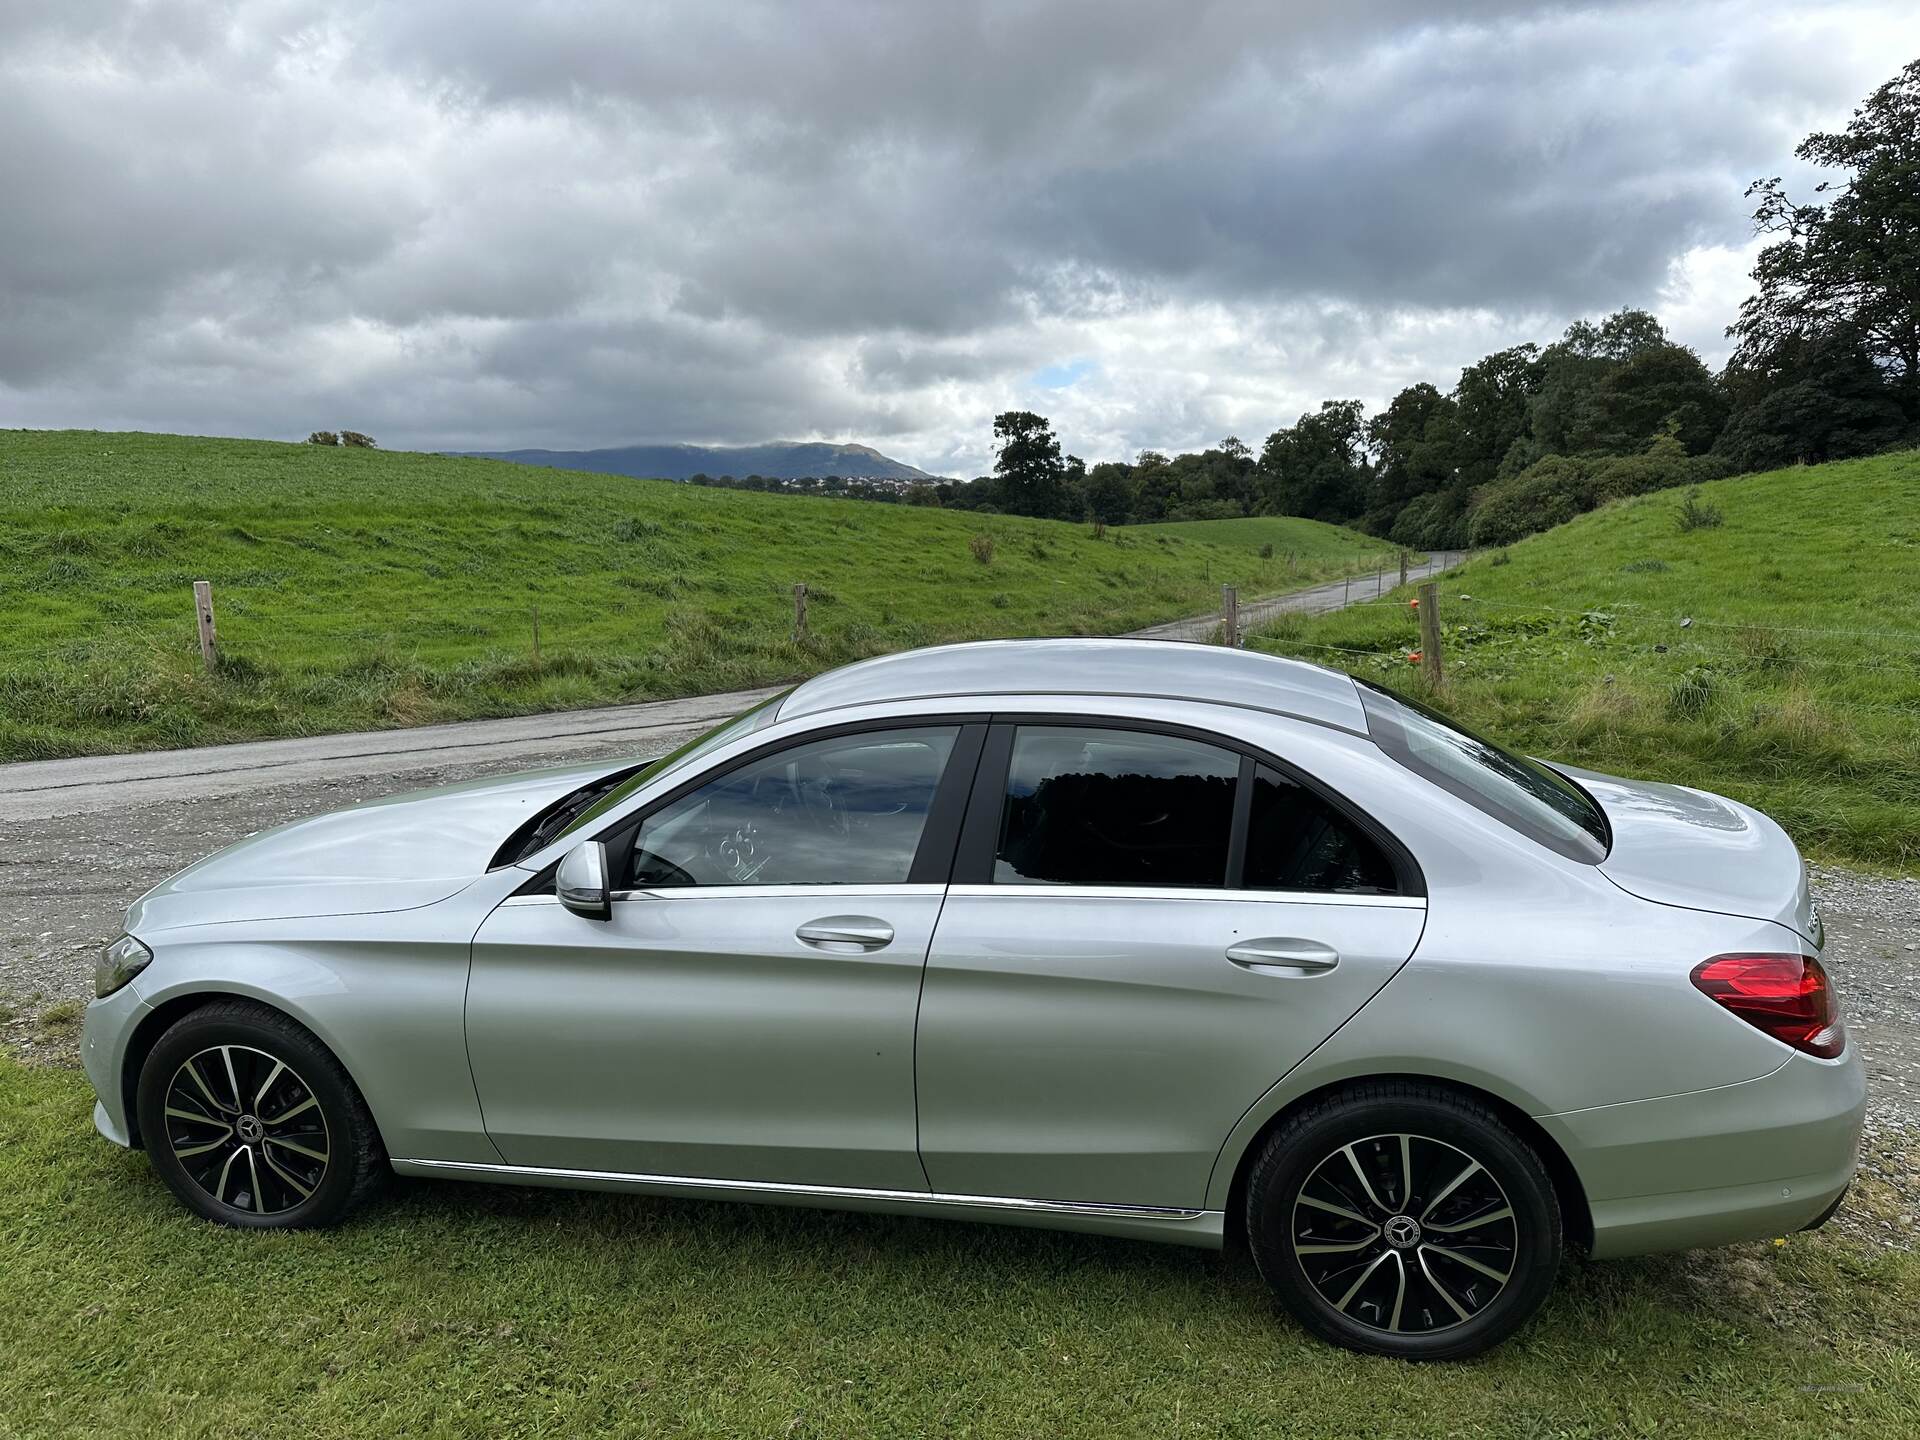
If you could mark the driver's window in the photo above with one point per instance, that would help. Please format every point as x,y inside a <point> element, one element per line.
<point>844,811</point>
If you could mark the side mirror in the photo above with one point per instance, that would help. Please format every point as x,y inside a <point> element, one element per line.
<point>580,880</point>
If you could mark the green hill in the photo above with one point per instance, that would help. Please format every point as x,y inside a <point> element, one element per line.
<point>358,588</point>
<point>1774,656</point>
<point>1277,536</point>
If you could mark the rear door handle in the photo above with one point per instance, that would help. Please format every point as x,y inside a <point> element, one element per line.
<point>1284,956</point>
<point>847,932</point>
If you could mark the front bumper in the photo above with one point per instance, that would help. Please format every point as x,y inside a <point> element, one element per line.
<point>109,1028</point>
<point>1762,1158</point>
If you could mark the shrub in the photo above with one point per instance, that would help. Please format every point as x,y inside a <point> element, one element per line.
<point>1547,493</point>
<point>1696,514</point>
<point>323,437</point>
<point>1266,551</point>
<point>982,548</point>
<point>1432,522</point>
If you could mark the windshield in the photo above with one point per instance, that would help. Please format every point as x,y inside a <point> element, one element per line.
<point>745,723</point>
<point>1523,794</point>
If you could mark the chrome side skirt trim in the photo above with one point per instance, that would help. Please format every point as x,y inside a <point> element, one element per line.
<point>825,1193</point>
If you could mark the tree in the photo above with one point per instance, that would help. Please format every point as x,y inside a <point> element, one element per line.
<point>1414,443</point>
<point>1317,467</point>
<point>1109,493</point>
<point>1662,390</point>
<point>1028,470</point>
<point>1820,398</point>
<point>1851,258</point>
<point>1492,398</point>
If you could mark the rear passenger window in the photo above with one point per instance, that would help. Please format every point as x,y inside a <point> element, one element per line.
<point>1297,841</point>
<point>1115,807</point>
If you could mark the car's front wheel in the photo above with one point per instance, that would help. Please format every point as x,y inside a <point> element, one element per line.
<point>250,1121</point>
<point>1403,1219</point>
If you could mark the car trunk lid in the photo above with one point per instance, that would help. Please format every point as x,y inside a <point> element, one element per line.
<point>1678,846</point>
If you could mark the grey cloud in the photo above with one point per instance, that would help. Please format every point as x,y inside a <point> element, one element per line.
<point>584,223</point>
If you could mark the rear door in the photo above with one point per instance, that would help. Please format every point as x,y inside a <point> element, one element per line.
<point>1147,929</point>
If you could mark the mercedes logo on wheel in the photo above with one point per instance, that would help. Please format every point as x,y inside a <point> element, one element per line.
<point>1402,1232</point>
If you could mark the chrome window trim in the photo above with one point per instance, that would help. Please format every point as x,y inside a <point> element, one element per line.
<point>821,1192</point>
<point>683,893</point>
<point>686,893</point>
<point>1147,892</point>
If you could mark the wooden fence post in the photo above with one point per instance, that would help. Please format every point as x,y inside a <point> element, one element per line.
<point>1403,567</point>
<point>1430,665</point>
<point>1230,615</point>
<point>536,634</point>
<point>209,637</point>
<point>799,612</point>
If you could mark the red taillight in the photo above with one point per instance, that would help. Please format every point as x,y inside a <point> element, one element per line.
<point>1788,996</point>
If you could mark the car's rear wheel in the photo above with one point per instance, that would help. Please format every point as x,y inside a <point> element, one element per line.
<point>251,1122</point>
<point>1403,1219</point>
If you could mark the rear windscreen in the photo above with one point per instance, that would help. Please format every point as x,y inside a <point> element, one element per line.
<point>1523,794</point>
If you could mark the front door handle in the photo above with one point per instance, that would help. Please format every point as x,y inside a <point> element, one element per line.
<point>1284,956</point>
<point>846,932</point>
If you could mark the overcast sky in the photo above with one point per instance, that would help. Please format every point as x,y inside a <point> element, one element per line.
<point>459,224</point>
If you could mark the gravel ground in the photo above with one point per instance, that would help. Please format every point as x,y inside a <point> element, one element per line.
<point>65,884</point>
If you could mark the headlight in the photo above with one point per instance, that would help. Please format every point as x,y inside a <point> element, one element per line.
<point>119,963</point>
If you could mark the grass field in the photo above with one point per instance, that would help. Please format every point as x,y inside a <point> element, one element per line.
<point>454,1310</point>
<point>356,589</point>
<point>1774,657</point>
<point>1279,535</point>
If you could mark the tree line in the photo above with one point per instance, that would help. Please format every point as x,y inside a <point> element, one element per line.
<point>1826,365</point>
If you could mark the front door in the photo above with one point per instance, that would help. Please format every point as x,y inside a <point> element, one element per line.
<point>1164,929</point>
<point>748,1011</point>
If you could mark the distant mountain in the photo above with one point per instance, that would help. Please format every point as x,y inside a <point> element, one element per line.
<point>793,460</point>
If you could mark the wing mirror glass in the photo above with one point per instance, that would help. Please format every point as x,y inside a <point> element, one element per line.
<point>580,881</point>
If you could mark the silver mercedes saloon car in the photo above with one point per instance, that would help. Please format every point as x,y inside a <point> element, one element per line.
<point>1170,942</point>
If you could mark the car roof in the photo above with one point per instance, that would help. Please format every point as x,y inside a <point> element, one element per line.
<point>1157,669</point>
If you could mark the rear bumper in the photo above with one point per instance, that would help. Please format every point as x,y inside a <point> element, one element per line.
<point>1762,1158</point>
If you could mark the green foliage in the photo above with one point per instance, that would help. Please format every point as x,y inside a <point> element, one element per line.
<point>1316,467</point>
<point>1030,477</point>
<point>1849,262</point>
<point>981,547</point>
<point>1546,494</point>
<point>1552,491</point>
<point>1812,398</point>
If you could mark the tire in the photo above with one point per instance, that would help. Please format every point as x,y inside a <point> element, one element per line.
<point>251,1122</point>
<point>1459,1257</point>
